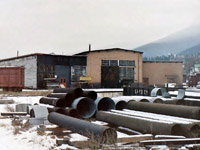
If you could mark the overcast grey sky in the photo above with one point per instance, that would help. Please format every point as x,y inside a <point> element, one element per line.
<point>68,26</point>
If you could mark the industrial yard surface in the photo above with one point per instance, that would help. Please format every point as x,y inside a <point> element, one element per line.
<point>17,134</point>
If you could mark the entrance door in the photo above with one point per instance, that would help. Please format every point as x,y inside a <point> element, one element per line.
<point>109,76</point>
<point>63,72</point>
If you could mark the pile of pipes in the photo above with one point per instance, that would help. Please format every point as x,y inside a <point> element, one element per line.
<point>156,117</point>
<point>76,102</point>
<point>71,104</point>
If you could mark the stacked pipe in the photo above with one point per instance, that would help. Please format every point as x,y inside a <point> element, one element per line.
<point>138,124</point>
<point>84,101</point>
<point>72,101</point>
<point>123,100</point>
<point>190,127</point>
<point>101,134</point>
<point>147,99</point>
<point>167,109</point>
<point>84,104</point>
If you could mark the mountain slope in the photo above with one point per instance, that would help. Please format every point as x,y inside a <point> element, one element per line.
<point>192,50</point>
<point>174,43</point>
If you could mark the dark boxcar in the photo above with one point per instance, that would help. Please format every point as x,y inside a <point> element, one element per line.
<point>12,78</point>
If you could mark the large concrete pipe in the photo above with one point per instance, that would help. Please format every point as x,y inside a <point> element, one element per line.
<point>78,92</point>
<point>85,106</point>
<point>100,133</point>
<point>162,117</point>
<point>120,104</point>
<point>58,102</point>
<point>167,109</point>
<point>190,127</point>
<point>191,102</point>
<point>140,124</point>
<point>160,92</point>
<point>65,111</point>
<point>181,94</point>
<point>140,98</point>
<point>156,92</point>
<point>66,96</point>
<point>156,100</point>
<point>104,103</point>
<point>147,99</point>
<point>174,101</point>
<point>37,111</point>
<point>90,94</point>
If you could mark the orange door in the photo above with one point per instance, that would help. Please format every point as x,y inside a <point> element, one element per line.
<point>63,82</point>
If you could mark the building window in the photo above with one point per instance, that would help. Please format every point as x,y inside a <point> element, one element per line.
<point>105,63</point>
<point>77,72</point>
<point>126,68</point>
<point>118,63</point>
<point>113,62</point>
<point>126,63</point>
<point>126,73</point>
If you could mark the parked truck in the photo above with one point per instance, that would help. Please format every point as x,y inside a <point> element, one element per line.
<point>12,78</point>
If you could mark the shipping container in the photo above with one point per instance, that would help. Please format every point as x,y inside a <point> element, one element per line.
<point>12,78</point>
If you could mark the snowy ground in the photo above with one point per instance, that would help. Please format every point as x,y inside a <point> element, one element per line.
<point>25,138</point>
<point>15,137</point>
<point>28,138</point>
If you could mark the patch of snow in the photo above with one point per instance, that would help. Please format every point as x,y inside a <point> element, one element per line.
<point>100,123</point>
<point>120,134</point>
<point>77,137</point>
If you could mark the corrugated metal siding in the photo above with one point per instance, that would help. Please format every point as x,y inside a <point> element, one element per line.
<point>12,77</point>
<point>29,63</point>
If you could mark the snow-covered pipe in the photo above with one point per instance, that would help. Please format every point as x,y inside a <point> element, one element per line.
<point>190,127</point>
<point>167,109</point>
<point>140,124</point>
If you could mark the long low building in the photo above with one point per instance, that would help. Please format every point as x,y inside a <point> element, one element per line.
<point>161,72</point>
<point>41,68</point>
<point>106,68</point>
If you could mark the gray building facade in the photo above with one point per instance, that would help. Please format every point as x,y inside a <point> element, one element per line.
<point>39,67</point>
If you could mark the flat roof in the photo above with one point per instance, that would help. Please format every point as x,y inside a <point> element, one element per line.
<point>36,54</point>
<point>110,49</point>
<point>162,61</point>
